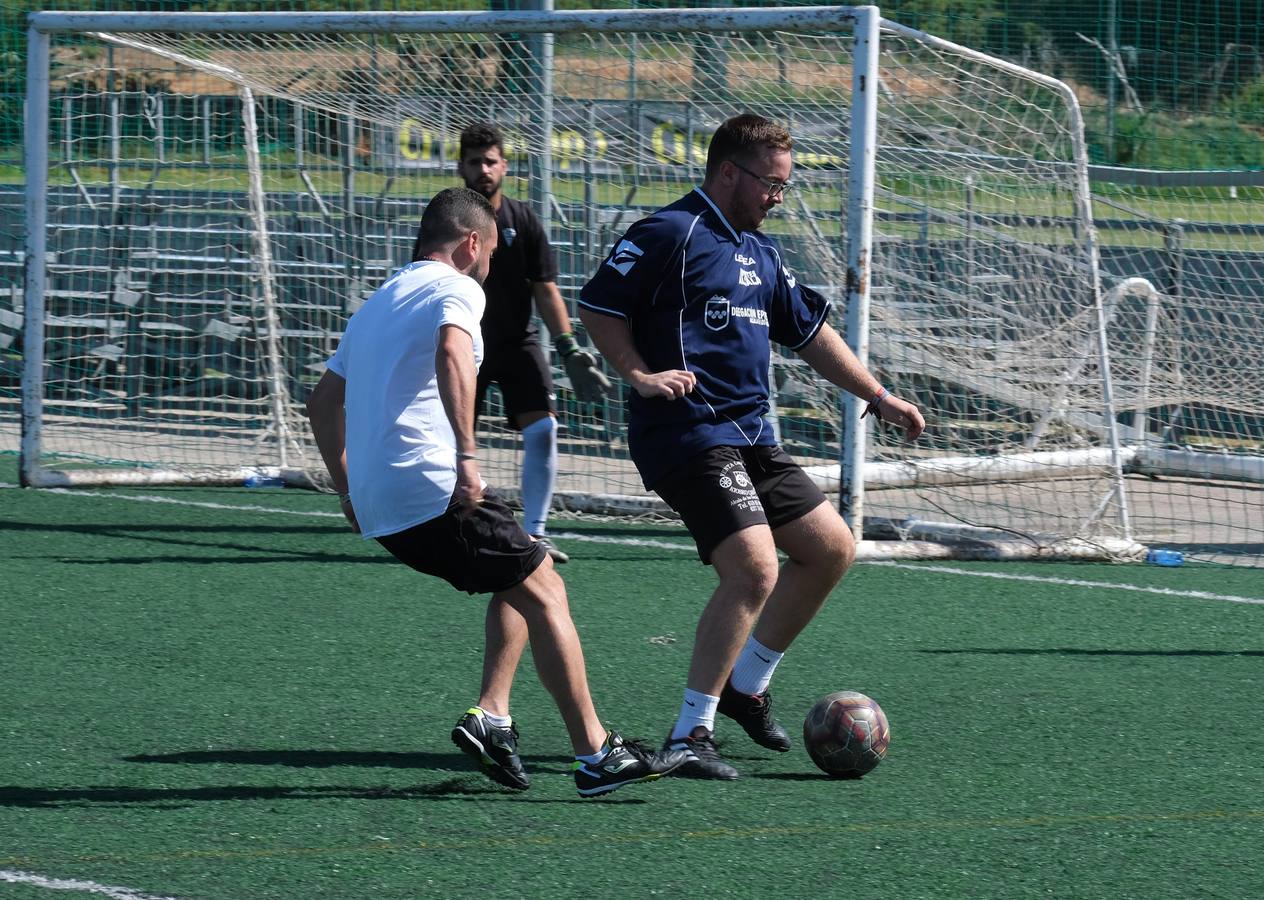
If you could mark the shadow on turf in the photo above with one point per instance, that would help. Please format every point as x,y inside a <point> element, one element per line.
<point>469,786</point>
<point>325,759</point>
<point>161,535</point>
<point>242,554</point>
<point>1082,651</point>
<point>133,529</point>
<point>182,798</point>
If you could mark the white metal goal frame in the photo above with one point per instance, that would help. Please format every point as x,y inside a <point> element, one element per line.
<point>865,21</point>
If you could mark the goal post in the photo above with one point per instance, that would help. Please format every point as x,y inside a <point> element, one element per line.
<point>211,196</point>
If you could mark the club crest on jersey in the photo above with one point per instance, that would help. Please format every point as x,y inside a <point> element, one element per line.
<point>717,315</point>
<point>624,257</point>
<point>748,278</point>
<point>509,234</point>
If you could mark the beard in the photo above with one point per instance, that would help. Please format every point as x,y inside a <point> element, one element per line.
<point>486,187</point>
<point>751,220</point>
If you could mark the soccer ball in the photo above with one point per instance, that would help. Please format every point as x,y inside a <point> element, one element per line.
<point>846,734</point>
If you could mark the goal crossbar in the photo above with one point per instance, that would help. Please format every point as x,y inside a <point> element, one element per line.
<point>802,18</point>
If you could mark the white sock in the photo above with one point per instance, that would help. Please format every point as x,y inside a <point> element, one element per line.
<point>539,471</point>
<point>498,721</point>
<point>697,709</point>
<point>595,757</point>
<point>754,668</point>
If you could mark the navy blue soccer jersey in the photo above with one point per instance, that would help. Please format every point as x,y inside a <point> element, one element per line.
<point>699,295</point>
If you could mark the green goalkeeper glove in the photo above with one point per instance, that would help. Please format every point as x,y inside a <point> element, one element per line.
<point>587,379</point>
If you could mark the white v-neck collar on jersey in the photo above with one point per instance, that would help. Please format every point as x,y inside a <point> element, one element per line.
<point>733,231</point>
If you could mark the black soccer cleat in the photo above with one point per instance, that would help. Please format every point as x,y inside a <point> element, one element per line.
<point>702,760</point>
<point>624,762</point>
<point>754,713</point>
<point>495,748</point>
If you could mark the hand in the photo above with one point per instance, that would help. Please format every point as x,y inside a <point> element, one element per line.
<point>589,382</point>
<point>670,385</point>
<point>469,486</point>
<point>349,512</point>
<point>902,413</point>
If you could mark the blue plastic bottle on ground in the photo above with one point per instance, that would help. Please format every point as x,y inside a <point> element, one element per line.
<point>1165,558</point>
<point>263,481</point>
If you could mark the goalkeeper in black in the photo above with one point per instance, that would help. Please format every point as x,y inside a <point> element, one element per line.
<point>524,269</point>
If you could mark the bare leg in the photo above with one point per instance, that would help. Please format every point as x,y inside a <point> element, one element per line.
<point>559,658</point>
<point>820,550</point>
<point>746,562</point>
<point>505,637</point>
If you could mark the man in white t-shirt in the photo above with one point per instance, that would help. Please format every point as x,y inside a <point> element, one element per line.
<point>393,417</point>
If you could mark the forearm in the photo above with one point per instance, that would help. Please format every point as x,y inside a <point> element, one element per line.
<point>551,307</point>
<point>829,355</point>
<point>458,384</point>
<point>613,338</point>
<point>325,411</point>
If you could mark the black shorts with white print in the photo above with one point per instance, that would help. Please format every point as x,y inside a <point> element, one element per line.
<point>480,551</point>
<point>725,489</point>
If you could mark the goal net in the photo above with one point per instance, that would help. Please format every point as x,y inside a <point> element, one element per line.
<point>219,193</point>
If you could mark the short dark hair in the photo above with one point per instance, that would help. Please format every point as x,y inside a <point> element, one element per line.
<point>480,136</point>
<point>449,216</point>
<point>741,138</point>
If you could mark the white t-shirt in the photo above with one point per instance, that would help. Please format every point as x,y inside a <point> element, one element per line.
<point>401,451</point>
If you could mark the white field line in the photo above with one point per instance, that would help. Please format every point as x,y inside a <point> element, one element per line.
<point>689,548</point>
<point>625,541</point>
<point>1074,582</point>
<point>67,884</point>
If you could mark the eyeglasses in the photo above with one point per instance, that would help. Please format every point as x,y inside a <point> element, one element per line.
<point>774,187</point>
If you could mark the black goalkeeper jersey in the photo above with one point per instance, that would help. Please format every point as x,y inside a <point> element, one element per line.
<point>523,255</point>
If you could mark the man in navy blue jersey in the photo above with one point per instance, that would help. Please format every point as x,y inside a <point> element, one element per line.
<point>684,307</point>
<point>524,269</point>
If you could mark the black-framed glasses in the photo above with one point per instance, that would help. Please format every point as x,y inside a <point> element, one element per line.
<point>774,187</point>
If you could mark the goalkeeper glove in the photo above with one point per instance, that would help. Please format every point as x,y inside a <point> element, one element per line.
<point>587,379</point>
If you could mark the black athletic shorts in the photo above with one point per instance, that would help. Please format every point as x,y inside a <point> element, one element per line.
<point>522,373</point>
<point>479,551</point>
<point>725,489</point>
